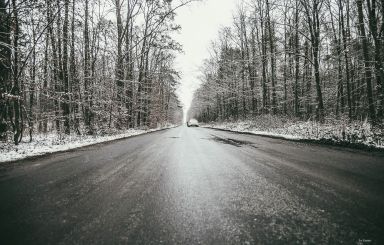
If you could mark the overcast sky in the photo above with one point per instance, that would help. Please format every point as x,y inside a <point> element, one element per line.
<point>200,23</point>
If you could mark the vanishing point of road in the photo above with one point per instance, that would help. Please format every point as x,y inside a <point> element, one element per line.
<point>195,186</point>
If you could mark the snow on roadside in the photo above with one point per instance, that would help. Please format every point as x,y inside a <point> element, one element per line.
<point>51,142</point>
<point>333,131</point>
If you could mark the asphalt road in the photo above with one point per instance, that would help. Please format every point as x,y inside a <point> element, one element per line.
<point>195,186</point>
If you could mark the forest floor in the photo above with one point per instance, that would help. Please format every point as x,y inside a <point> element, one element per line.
<point>357,134</point>
<point>52,142</point>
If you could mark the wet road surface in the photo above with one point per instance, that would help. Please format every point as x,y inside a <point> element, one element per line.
<point>195,186</point>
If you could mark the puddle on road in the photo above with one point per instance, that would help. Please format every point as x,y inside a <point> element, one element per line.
<point>234,142</point>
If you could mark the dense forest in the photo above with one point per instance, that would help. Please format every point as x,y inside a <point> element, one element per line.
<point>302,59</point>
<point>86,66</point>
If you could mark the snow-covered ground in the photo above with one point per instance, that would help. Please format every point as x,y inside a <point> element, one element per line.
<point>332,131</point>
<point>49,143</point>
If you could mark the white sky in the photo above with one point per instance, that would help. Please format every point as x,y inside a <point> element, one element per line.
<point>200,23</point>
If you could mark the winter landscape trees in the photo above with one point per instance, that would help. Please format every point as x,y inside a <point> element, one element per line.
<point>86,66</point>
<point>308,60</point>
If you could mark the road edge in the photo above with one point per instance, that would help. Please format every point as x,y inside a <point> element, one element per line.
<point>47,154</point>
<point>324,142</point>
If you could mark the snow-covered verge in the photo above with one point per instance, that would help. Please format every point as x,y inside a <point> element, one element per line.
<point>338,132</point>
<point>48,143</point>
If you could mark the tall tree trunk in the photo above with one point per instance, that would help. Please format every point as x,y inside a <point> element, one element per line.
<point>59,81</point>
<point>264,66</point>
<point>119,60</point>
<point>367,68</point>
<point>377,40</point>
<point>66,109</point>
<point>16,85</point>
<point>285,72</point>
<point>74,85</point>
<point>253,74</point>
<point>346,57</point>
<point>312,13</point>
<point>87,73</point>
<point>129,64</point>
<point>273,63</point>
<point>297,61</point>
<point>340,85</point>
<point>142,77</point>
<point>44,100</point>
<point>5,65</point>
<point>307,79</point>
<point>245,61</point>
<point>32,83</point>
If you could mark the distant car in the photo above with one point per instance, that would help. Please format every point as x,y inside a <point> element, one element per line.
<point>192,123</point>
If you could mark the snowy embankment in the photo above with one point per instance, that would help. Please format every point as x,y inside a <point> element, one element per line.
<point>337,132</point>
<point>48,143</point>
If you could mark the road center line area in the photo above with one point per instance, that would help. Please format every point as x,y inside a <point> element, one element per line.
<point>195,186</point>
